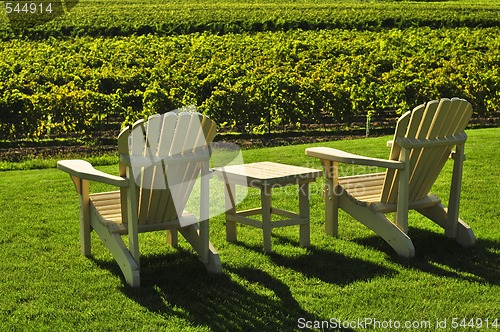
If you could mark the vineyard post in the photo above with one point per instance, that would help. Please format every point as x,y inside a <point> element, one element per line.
<point>368,121</point>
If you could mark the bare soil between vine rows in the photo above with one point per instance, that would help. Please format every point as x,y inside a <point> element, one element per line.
<point>21,153</point>
<point>105,143</point>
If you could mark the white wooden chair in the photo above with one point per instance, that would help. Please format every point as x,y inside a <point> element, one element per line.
<point>423,141</point>
<point>160,162</point>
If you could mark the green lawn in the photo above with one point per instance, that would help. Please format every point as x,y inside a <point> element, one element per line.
<point>47,285</point>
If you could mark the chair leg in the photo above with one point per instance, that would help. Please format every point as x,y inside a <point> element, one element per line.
<point>331,208</point>
<point>439,214</point>
<point>192,235</point>
<point>214,265</point>
<point>85,229</point>
<point>378,222</point>
<point>129,267</point>
<point>330,194</point>
<point>173,237</point>
<point>465,235</point>
<point>120,252</point>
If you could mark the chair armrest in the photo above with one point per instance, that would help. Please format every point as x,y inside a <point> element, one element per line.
<point>84,170</point>
<point>350,158</point>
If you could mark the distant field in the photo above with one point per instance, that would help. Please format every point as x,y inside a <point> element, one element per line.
<point>124,18</point>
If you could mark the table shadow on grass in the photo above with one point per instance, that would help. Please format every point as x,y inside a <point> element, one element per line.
<point>238,299</point>
<point>326,265</point>
<point>439,255</point>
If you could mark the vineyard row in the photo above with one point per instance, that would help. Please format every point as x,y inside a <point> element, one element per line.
<point>260,81</point>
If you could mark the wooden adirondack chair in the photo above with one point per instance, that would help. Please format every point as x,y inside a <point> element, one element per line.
<point>423,141</point>
<point>160,161</point>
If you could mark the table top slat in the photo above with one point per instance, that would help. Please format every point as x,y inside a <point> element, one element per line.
<point>267,173</point>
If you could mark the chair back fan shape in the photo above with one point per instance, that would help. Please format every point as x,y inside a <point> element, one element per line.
<point>434,121</point>
<point>164,156</point>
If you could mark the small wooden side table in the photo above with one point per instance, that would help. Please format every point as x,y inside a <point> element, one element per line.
<point>266,176</point>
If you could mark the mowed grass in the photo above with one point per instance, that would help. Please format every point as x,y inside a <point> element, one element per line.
<point>47,285</point>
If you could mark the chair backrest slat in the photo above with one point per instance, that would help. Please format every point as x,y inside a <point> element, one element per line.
<point>391,175</point>
<point>434,120</point>
<point>136,148</point>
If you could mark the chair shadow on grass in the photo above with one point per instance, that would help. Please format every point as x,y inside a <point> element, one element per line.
<point>439,255</point>
<point>326,265</point>
<point>177,285</point>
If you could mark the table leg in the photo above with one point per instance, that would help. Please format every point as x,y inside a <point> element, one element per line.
<point>265,194</point>
<point>304,212</point>
<point>230,193</point>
